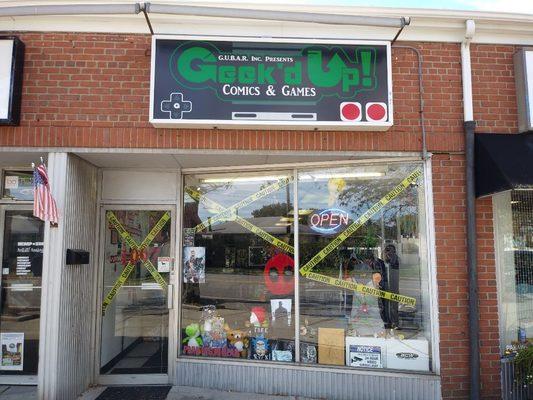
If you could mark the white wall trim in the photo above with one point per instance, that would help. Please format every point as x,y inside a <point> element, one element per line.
<point>426,24</point>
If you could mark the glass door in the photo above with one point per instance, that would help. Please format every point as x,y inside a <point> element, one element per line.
<point>20,301</point>
<point>136,268</point>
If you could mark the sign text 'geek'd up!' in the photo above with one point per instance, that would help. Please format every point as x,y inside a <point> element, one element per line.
<point>273,84</point>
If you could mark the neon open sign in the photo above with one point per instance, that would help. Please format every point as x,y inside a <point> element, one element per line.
<point>328,221</point>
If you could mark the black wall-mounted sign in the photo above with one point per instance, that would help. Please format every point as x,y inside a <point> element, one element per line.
<point>271,84</point>
<point>77,257</point>
<point>11,73</point>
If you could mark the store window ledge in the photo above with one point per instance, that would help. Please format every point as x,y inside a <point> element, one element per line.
<point>297,380</point>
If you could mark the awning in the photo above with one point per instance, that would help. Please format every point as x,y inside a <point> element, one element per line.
<point>503,162</point>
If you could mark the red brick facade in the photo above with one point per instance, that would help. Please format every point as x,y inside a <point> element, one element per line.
<point>92,90</point>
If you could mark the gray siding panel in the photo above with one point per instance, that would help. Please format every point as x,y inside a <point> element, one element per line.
<point>77,281</point>
<point>307,381</point>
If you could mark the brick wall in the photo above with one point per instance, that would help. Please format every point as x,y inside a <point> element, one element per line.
<point>92,90</point>
<point>493,88</point>
<point>85,90</point>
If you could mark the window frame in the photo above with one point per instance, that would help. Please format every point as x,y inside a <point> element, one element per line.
<point>428,242</point>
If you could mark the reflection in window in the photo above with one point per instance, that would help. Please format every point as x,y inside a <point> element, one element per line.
<point>513,214</point>
<point>363,276</point>
<point>238,267</point>
<point>20,307</point>
<point>357,325</point>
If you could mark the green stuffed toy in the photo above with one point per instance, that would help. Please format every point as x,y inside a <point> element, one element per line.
<point>193,338</point>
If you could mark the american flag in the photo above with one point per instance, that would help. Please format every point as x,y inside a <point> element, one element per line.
<point>44,205</point>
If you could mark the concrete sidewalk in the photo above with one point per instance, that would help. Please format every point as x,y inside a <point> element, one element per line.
<point>192,393</point>
<point>176,393</point>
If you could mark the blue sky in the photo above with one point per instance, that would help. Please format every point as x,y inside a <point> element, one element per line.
<point>519,6</point>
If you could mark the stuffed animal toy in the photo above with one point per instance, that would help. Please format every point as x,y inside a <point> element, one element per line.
<point>193,338</point>
<point>236,339</point>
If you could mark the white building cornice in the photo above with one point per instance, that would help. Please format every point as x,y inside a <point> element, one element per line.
<point>426,24</point>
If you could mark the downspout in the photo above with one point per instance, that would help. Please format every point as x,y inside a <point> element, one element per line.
<point>469,126</point>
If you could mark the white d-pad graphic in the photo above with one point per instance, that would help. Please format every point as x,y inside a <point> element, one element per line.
<point>176,106</point>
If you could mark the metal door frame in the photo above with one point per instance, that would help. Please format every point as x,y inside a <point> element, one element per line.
<point>11,206</point>
<point>139,379</point>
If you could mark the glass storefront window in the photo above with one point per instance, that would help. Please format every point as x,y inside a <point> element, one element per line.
<point>20,307</point>
<point>238,266</point>
<point>513,222</point>
<point>18,185</point>
<point>363,275</point>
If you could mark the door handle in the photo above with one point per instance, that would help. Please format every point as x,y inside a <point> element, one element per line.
<point>170,297</point>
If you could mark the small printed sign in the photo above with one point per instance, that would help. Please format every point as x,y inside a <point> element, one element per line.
<point>163,264</point>
<point>12,351</point>
<point>188,237</point>
<point>365,356</point>
<point>150,286</point>
<point>11,182</point>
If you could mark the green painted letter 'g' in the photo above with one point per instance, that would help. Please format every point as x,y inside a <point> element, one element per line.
<point>204,70</point>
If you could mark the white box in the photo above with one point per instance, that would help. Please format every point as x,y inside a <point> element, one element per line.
<point>365,352</point>
<point>410,354</point>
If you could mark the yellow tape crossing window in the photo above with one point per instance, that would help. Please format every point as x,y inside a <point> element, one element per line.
<point>306,269</point>
<point>230,213</point>
<point>137,255</point>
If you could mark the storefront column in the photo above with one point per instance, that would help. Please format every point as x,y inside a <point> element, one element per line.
<point>68,310</point>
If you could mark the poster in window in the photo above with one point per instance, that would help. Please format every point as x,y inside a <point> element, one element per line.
<point>12,351</point>
<point>281,311</point>
<point>194,264</point>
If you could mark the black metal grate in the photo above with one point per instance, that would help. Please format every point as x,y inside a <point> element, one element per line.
<point>135,392</point>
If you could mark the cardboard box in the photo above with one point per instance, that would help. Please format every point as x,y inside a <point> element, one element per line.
<point>365,352</point>
<point>410,354</point>
<point>331,346</point>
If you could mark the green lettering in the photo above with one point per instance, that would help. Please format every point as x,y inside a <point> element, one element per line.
<point>264,74</point>
<point>246,74</point>
<point>293,75</point>
<point>320,77</point>
<point>226,74</point>
<point>350,77</point>
<point>204,71</point>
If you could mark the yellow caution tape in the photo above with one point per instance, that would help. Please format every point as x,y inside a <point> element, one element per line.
<point>153,271</point>
<point>306,269</point>
<point>358,287</point>
<point>229,213</point>
<point>267,237</point>
<point>360,222</point>
<point>133,245</point>
<point>118,284</point>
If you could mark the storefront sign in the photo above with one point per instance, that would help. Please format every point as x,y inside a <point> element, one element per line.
<point>328,221</point>
<point>11,65</point>
<point>523,60</point>
<point>225,83</point>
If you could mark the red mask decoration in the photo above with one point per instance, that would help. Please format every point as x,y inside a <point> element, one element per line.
<point>276,280</point>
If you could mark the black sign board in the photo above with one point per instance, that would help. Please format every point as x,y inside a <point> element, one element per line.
<point>11,69</point>
<point>270,84</point>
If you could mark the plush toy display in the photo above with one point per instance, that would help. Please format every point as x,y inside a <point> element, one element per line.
<point>193,338</point>
<point>236,339</point>
<point>212,328</point>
